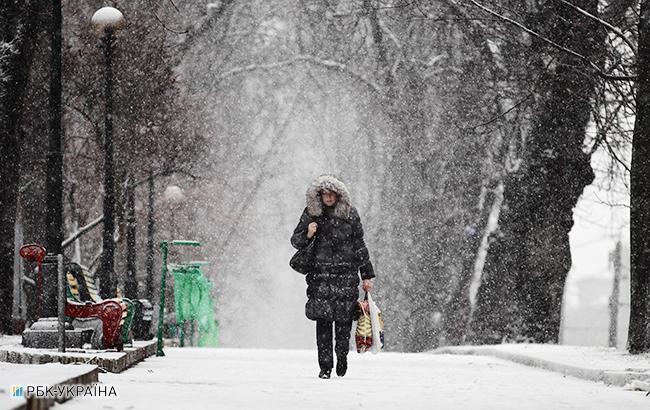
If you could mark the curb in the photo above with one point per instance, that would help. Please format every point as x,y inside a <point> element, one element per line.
<point>124,360</point>
<point>609,377</point>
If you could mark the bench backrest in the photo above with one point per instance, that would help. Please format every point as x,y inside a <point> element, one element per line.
<point>81,284</point>
<point>91,285</point>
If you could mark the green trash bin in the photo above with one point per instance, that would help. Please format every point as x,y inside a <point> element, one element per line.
<point>194,304</point>
<point>192,299</point>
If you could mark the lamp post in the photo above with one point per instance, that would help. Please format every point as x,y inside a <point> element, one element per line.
<point>107,22</point>
<point>131,281</point>
<point>150,236</point>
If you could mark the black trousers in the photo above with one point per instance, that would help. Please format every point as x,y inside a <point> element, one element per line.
<point>324,341</point>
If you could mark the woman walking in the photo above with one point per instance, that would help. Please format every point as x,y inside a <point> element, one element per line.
<point>340,255</point>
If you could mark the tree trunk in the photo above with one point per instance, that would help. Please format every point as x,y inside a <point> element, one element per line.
<point>458,310</point>
<point>151,221</point>
<point>131,281</point>
<point>615,259</point>
<point>520,297</point>
<point>74,223</point>
<point>640,195</point>
<point>54,174</point>
<point>19,25</point>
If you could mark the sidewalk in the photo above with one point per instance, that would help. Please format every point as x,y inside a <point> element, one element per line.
<point>600,364</point>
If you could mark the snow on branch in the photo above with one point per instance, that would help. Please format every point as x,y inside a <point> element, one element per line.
<point>7,49</point>
<point>330,64</point>
<point>82,231</point>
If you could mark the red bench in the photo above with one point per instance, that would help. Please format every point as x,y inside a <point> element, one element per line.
<point>110,312</point>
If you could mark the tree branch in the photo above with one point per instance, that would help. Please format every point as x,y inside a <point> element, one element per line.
<point>555,45</point>
<point>615,156</point>
<point>81,231</point>
<point>603,22</point>
<point>213,15</point>
<point>330,64</point>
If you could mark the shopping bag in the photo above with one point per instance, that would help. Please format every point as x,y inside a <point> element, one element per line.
<point>369,334</point>
<point>377,324</point>
<point>363,334</point>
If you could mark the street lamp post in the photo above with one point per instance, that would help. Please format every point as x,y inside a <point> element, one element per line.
<point>108,21</point>
<point>150,236</point>
<point>130,282</point>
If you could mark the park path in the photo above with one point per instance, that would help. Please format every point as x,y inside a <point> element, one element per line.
<point>193,378</point>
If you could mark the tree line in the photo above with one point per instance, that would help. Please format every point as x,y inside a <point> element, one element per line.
<point>471,136</point>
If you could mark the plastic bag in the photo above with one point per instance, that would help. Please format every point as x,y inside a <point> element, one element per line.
<point>369,335</point>
<point>377,324</point>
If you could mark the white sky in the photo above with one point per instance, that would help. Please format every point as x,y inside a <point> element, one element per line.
<point>598,225</point>
<point>600,221</point>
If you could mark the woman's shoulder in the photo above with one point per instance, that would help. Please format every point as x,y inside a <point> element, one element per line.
<point>354,214</point>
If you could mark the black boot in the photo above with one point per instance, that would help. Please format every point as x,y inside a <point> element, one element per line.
<point>341,365</point>
<point>324,374</point>
<point>342,337</point>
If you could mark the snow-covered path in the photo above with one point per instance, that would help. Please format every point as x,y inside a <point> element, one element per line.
<point>194,378</point>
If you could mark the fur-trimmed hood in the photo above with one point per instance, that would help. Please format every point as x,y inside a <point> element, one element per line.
<point>330,183</point>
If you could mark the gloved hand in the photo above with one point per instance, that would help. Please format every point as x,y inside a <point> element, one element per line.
<point>367,285</point>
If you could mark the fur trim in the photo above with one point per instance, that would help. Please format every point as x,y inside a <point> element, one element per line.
<point>330,183</point>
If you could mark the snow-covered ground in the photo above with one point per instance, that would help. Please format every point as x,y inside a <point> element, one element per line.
<point>193,378</point>
<point>48,374</point>
<point>585,357</point>
<point>600,364</point>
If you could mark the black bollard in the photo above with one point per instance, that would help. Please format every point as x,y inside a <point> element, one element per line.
<point>50,286</point>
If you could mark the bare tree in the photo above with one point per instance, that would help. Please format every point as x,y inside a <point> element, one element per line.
<point>638,339</point>
<point>19,21</point>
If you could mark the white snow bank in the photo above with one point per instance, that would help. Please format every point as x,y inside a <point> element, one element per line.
<point>604,364</point>
<point>643,385</point>
<point>49,374</point>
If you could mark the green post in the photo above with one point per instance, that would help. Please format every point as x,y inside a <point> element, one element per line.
<point>163,286</point>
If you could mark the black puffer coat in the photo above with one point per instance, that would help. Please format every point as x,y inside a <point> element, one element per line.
<point>339,250</point>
